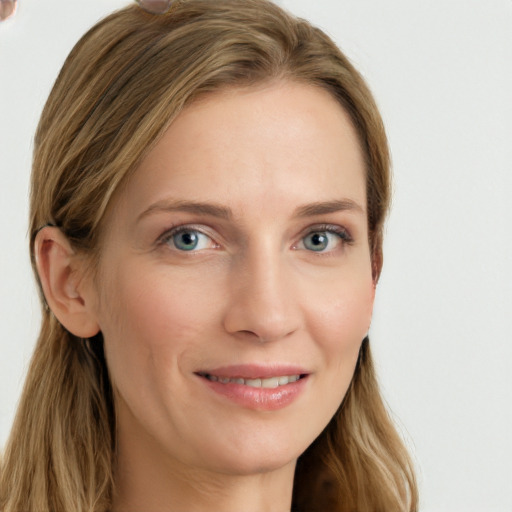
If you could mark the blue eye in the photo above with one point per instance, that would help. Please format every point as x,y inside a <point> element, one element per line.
<point>187,239</point>
<point>324,241</point>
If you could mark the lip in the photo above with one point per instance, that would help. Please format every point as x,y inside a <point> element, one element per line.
<point>255,371</point>
<point>261,399</point>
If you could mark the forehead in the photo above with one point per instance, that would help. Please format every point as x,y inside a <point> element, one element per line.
<point>263,144</point>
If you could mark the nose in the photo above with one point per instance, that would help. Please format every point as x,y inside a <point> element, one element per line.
<point>262,305</point>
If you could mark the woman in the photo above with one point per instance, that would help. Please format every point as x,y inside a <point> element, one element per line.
<point>208,196</point>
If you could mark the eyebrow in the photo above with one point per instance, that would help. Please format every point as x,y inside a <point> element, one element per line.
<point>325,207</point>
<point>211,209</point>
<point>219,211</point>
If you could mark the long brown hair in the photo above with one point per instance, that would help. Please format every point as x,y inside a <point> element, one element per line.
<point>120,88</point>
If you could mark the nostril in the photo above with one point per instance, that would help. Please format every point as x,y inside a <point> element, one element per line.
<point>250,335</point>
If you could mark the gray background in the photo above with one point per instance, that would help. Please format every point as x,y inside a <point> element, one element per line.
<point>441,73</point>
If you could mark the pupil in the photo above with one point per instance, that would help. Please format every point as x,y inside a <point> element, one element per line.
<point>188,238</point>
<point>317,241</point>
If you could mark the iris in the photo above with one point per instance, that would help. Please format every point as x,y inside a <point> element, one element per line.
<point>186,240</point>
<point>318,241</point>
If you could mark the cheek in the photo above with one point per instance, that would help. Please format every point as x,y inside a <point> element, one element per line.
<point>339,320</point>
<point>161,305</point>
<point>343,312</point>
<point>150,322</point>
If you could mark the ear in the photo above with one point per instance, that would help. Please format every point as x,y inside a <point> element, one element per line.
<point>62,277</point>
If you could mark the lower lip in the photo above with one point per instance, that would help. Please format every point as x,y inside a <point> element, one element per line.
<point>260,399</point>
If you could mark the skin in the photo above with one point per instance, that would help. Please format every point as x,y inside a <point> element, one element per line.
<point>253,291</point>
<point>7,9</point>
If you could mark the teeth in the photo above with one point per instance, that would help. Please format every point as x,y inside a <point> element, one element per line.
<point>272,382</point>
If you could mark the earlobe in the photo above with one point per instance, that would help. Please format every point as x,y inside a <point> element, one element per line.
<point>61,275</point>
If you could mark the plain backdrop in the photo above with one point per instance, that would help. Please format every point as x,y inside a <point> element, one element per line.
<point>442,74</point>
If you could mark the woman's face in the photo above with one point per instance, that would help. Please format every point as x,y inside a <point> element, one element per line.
<point>235,281</point>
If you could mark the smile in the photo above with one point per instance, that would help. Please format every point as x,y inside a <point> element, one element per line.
<point>257,387</point>
<point>269,382</point>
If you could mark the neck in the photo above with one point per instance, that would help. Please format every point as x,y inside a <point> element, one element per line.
<point>203,494</point>
<point>153,490</point>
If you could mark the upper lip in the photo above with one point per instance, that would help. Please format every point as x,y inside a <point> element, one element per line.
<point>254,371</point>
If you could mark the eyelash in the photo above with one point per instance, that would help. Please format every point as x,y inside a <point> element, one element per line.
<point>341,232</point>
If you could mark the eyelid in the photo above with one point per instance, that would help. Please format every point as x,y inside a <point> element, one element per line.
<point>332,228</point>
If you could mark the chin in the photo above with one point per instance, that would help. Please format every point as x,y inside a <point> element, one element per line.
<point>256,454</point>
<point>256,464</point>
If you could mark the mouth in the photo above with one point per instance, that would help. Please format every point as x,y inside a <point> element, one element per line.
<point>257,387</point>
<point>261,382</point>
